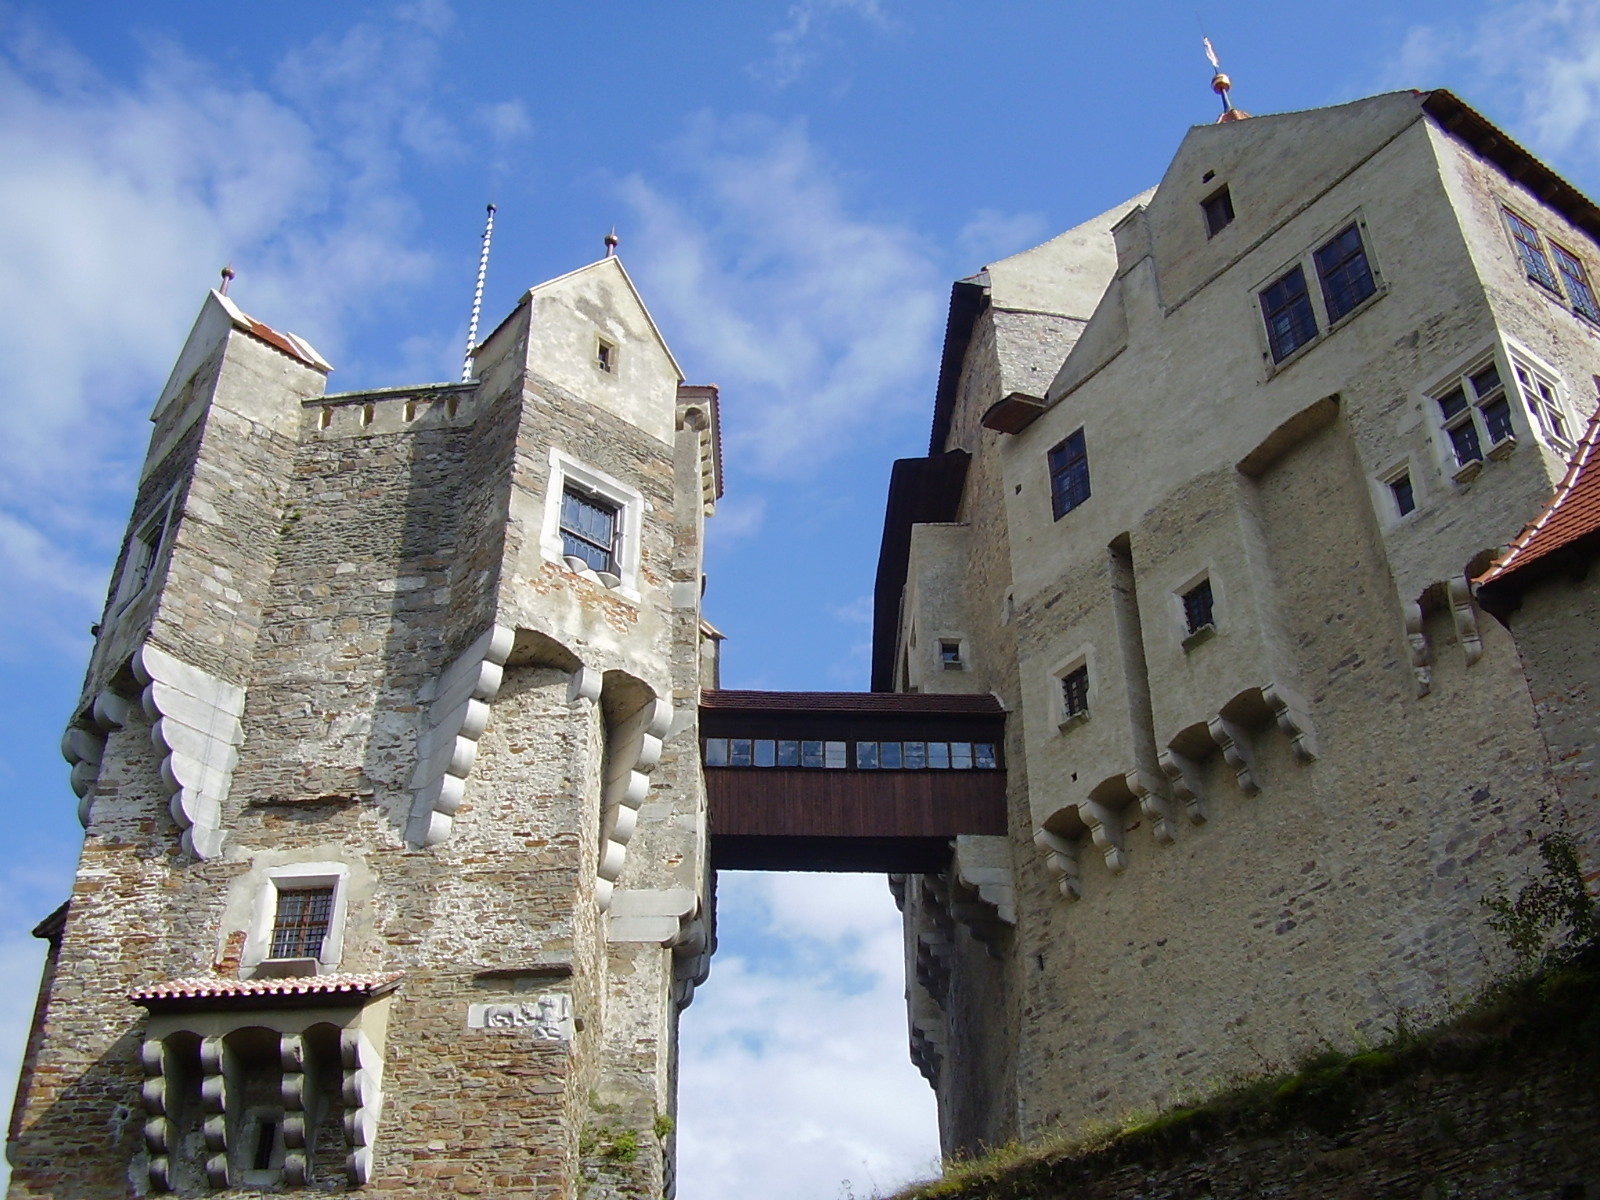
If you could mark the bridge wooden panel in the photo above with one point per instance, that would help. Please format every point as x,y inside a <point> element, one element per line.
<point>846,818</point>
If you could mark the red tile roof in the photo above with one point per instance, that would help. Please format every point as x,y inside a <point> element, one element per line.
<point>1572,513</point>
<point>202,990</point>
<point>898,703</point>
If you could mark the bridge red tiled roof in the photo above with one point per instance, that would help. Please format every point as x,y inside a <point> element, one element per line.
<point>885,703</point>
<point>1571,514</point>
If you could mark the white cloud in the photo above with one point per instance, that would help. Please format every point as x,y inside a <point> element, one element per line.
<point>1541,57</point>
<point>737,518</point>
<point>857,612</point>
<point>821,321</point>
<point>794,45</point>
<point>992,235</point>
<point>797,1055</point>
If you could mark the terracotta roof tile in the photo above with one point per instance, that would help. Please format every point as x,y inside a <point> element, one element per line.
<point>217,988</point>
<point>1572,513</point>
<point>908,703</point>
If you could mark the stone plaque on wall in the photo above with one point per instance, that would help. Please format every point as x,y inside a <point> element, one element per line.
<point>548,1018</point>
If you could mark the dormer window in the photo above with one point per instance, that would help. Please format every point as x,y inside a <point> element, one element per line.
<point>1218,208</point>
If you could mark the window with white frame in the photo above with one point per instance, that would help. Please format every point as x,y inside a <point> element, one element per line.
<point>298,923</point>
<point>1542,394</point>
<point>1475,417</point>
<point>592,524</point>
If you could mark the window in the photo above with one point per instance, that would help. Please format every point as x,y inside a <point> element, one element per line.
<point>1401,492</point>
<point>1286,305</point>
<point>1345,273</point>
<point>1539,393</point>
<point>950,654</point>
<point>1069,475</point>
<point>1473,412</point>
<point>300,925</point>
<point>589,529</point>
<point>836,755</point>
<point>1198,604</point>
<point>1577,282</point>
<point>605,355</point>
<point>1531,247</point>
<point>143,556</point>
<point>1218,208</point>
<point>1075,693</point>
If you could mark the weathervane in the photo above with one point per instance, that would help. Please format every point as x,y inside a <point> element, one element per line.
<point>1222,86</point>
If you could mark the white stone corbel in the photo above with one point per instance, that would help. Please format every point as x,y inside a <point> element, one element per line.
<point>195,723</point>
<point>362,1088</point>
<point>298,1091</point>
<point>633,748</point>
<point>456,716</point>
<point>158,1121</point>
<point>584,686</point>
<point>668,917</point>
<point>1061,860</point>
<point>1417,645</point>
<point>1183,780</point>
<point>1148,791</point>
<point>1293,720</point>
<point>983,863</point>
<point>1466,618</point>
<point>1232,740</point>
<point>1105,827</point>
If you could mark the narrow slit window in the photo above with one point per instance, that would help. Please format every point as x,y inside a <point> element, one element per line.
<point>301,922</point>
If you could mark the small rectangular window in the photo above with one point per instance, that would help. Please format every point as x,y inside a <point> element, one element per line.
<point>834,756</point>
<point>766,752</point>
<point>716,752</point>
<point>1286,306</point>
<point>1069,475</point>
<point>916,755</point>
<point>1075,692</point>
<point>1405,499</point>
<point>950,655</point>
<point>811,754</point>
<point>1459,427</point>
<point>589,528</point>
<point>939,756</point>
<point>605,355</point>
<point>961,756</point>
<point>867,756</point>
<point>1531,248</point>
<point>739,752</point>
<point>301,922</point>
<point>788,754</point>
<point>889,755</point>
<point>1219,211</point>
<point>1198,604</point>
<point>1573,274</point>
<point>1543,403</point>
<point>983,756</point>
<point>1345,273</point>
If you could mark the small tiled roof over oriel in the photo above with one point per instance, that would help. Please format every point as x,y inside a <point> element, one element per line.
<point>216,990</point>
<point>1569,523</point>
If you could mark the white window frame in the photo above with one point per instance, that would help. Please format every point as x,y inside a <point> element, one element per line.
<point>296,877</point>
<point>565,470</point>
<point>141,561</point>
<point>1524,361</point>
<point>1461,376</point>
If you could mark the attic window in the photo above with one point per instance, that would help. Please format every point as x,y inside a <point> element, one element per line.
<point>1219,211</point>
<point>605,355</point>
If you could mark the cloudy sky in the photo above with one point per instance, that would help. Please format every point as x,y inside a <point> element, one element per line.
<point>795,184</point>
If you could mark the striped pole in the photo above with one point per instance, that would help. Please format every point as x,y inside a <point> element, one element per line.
<point>477,296</point>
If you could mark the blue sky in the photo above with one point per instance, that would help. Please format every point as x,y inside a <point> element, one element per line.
<point>795,185</point>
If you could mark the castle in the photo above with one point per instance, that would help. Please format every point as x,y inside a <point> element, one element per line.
<point>404,770</point>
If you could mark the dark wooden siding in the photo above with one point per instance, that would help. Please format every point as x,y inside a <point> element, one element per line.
<point>823,803</point>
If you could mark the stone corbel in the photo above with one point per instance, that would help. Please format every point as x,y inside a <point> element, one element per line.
<point>633,748</point>
<point>668,917</point>
<point>1061,860</point>
<point>1148,791</point>
<point>299,1090</point>
<point>1105,827</point>
<point>215,1067</point>
<point>158,1127</point>
<point>1232,740</point>
<point>1417,644</point>
<point>584,686</point>
<point>1293,720</point>
<point>1466,618</point>
<point>456,716</point>
<point>1183,779</point>
<point>983,893</point>
<point>362,1087</point>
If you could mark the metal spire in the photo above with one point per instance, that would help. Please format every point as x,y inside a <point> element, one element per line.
<point>1222,86</point>
<point>611,242</point>
<point>477,295</point>
<point>227,278</point>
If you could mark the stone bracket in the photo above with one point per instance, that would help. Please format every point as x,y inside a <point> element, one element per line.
<point>1233,741</point>
<point>1105,827</point>
<point>456,716</point>
<point>1183,779</point>
<point>633,748</point>
<point>1061,860</point>
<point>1466,618</point>
<point>1149,792</point>
<point>669,917</point>
<point>983,895</point>
<point>1420,652</point>
<point>1290,712</point>
<point>362,1087</point>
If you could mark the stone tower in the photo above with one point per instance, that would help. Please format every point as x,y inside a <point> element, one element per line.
<point>395,869</point>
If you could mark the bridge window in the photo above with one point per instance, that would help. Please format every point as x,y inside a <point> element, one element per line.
<point>868,756</point>
<point>788,754</point>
